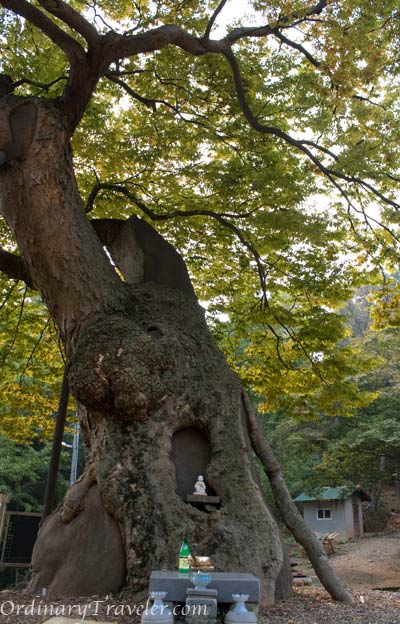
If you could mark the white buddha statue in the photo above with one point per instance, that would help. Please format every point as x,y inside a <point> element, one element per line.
<point>200,486</point>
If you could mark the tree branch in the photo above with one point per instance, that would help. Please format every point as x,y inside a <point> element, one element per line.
<point>147,102</point>
<point>301,145</point>
<point>8,295</point>
<point>212,20</point>
<point>248,31</point>
<point>289,20</point>
<point>85,69</point>
<point>298,47</point>
<point>40,85</point>
<point>35,346</point>
<point>124,190</point>
<point>284,21</point>
<point>151,102</point>
<point>16,329</point>
<point>320,148</point>
<point>14,267</point>
<point>72,18</point>
<point>121,46</point>
<point>72,49</point>
<point>289,512</point>
<point>366,99</point>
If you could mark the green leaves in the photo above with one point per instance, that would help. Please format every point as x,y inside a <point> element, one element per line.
<point>302,371</point>
<point>31,365</point>
<point>23,472</point>
<point>320,450</point>
<point>281,241</point>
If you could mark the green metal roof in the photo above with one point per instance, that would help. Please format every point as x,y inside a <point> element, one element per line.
<point>337,493</point>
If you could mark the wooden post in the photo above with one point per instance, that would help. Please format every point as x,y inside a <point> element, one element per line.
<point>4,499</point>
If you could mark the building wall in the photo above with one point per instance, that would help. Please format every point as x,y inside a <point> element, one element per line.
<point>342,518</point>
<point>337,522</point>
<point>348,511</point>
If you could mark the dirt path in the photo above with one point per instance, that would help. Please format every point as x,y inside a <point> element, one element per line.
<point>370,562</point>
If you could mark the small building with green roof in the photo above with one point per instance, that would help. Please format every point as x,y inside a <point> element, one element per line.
<point>334,510</point>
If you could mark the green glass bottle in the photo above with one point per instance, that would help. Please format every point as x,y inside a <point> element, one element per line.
<point>184,553</point>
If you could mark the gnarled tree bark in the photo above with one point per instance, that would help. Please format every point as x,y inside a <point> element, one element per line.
<point>144,367</point>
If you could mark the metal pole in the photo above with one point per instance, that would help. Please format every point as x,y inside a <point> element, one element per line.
<point>75,455</point>
<point>56,449</point>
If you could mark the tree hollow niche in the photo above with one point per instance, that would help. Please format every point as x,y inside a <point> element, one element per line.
<point>191,454</point>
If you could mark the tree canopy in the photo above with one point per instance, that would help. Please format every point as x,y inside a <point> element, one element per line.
<point>267,154</point>
<point>263,146</point>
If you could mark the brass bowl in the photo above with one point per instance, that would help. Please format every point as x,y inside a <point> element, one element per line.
<point>200,564</point>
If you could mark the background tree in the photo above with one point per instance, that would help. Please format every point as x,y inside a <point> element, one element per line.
<point>30,364</point>
<point>23,471</point>
<point>354,447</point>
<point>222,143</point>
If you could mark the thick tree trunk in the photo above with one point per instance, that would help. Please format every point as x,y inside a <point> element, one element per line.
<point>160,405</point>
<point>40,201</point>
<point>291,515</point>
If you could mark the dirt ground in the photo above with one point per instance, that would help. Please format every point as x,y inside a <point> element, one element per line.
<point>369,567</point>
<point>371,562</point>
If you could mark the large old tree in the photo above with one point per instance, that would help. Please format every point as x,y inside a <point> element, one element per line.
<point>229,134</point>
